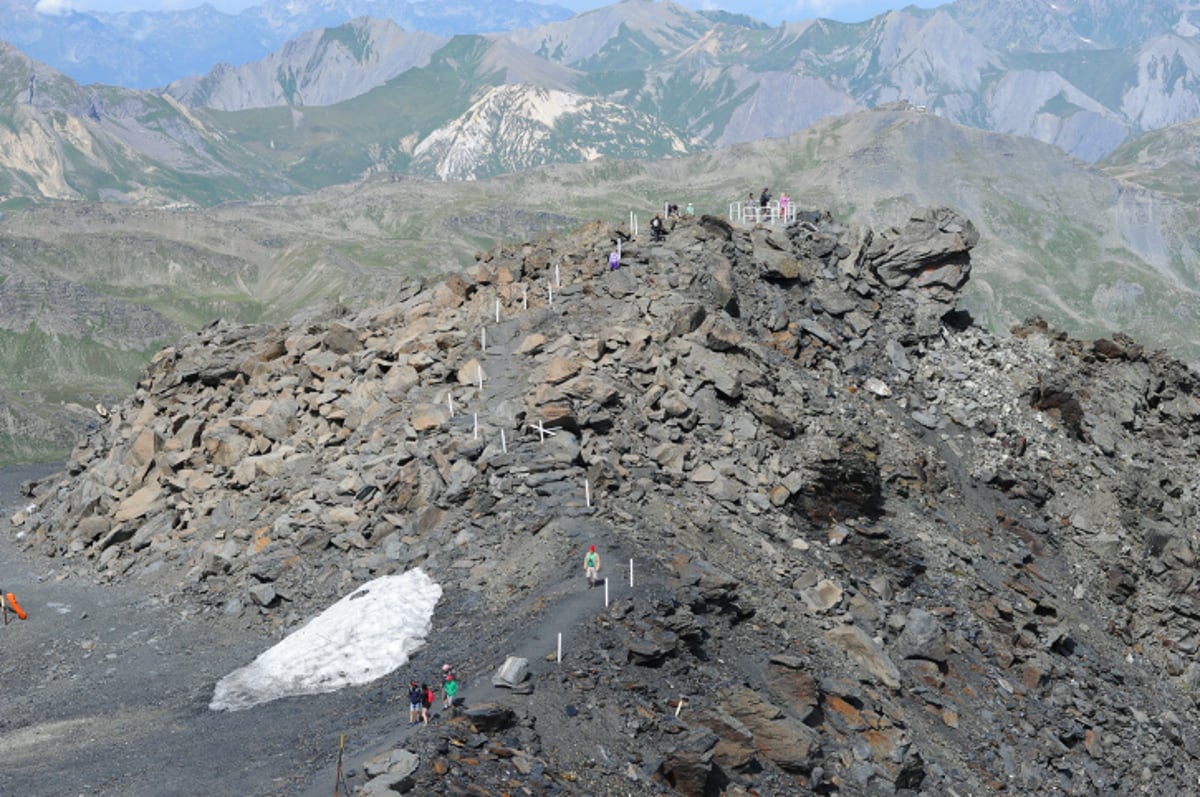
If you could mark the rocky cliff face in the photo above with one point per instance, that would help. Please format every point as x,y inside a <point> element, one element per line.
<point>881,551</point>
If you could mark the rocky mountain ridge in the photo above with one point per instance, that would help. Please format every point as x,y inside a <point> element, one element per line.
<point>320,67</point>
<point>883,551</point>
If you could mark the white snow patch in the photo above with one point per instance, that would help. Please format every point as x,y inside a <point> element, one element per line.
<point>364,636</point>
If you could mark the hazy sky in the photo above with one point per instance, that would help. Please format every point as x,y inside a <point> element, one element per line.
<point>772,12</point>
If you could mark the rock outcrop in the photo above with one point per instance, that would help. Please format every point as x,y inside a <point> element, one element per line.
<point>881,550</point>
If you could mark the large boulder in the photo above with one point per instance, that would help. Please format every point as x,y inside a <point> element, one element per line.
<point>931,253</point>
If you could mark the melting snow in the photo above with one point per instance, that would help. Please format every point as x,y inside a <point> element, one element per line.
<point>364,636</point>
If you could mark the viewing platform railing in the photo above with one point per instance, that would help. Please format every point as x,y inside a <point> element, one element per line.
<point>748,212</point>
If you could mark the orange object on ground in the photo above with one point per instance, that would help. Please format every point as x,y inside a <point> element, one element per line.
<point>11,599</point>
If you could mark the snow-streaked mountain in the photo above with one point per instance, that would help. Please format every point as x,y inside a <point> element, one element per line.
<point>516,127</point>
<point>1167,88</point>
<point>321,67</point>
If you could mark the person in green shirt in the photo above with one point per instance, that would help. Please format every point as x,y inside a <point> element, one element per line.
<point>591,566</point>
<point>449,690</point>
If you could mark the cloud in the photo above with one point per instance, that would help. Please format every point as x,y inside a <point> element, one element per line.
<point>53,7</point>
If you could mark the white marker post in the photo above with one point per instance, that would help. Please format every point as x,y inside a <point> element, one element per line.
<point>477,426</point>
<point>497,311</point>
<point>631,573</point>
<point>483,338</point>
<point>550,293</point>
<point>606,592</point>
<point>503,443</point>
<point>524,298</point>
<point>450,402</point>
<point>557,276</point>
<point>480,368</point>
<point>560,647</point>
<point>587,492</point>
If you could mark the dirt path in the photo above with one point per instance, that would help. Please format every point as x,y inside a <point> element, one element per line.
<point>569,608</point>
<point>104,690</point>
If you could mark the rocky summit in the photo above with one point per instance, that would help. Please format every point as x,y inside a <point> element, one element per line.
<point>875,549</point>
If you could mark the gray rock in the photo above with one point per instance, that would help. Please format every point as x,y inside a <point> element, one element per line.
<point>512,672</point>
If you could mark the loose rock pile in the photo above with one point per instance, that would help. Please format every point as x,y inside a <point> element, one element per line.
<point>885,551</point>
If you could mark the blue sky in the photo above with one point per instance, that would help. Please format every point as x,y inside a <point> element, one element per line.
<point>772,12</point>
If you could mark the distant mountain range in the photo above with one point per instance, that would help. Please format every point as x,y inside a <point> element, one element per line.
<point>1086,76</point>
<point>144,49</point>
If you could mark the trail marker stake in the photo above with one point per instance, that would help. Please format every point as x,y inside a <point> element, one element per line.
<point>450,402</point>
<point>557,276</point>
<point>605,592</point>
<point>587,492</point>
<point>543,431</point>
<point>477,426</point>
<point>503,443</point>
<point>483,338</point>
<point>480,367</point>
<point>631,573</point>
<point>524,298</point>
<point>497,311</point>
<point>550,292</point>
<point>560,647</point>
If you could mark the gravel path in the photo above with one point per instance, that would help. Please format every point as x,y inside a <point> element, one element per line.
<point>105,689</point>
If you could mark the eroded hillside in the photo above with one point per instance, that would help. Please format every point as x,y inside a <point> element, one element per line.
<point>880,551</point>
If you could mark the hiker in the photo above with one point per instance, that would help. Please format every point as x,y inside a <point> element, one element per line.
<point>690,210</point>
<point>426,703</point>
<point>449,690</point>
<point>414,702</point>
<point>784,201</point>
<point>764,198</point>
<point>614,260</point>
<point>591,566</point>
<point>656,227</point>
<point>8,602</point>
